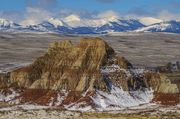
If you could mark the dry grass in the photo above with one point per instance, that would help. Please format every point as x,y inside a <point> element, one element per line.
<point>130,116</point>
<point>140,49</point>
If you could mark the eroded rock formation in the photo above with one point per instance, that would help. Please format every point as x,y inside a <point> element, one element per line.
<point>69,67</point>
<point>79,68</point>
<point>84,68</point>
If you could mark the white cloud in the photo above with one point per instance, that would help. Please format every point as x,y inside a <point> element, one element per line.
<point>12,16</point>
<point>149,20</point>
<point>108,15</point>
<point>56,22</point>
<point>72,18</point>
<point>166,15</point>
<point>35,15</point>
<point>96,20</point>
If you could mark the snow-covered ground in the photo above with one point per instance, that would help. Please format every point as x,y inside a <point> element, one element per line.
<point>118,99</point>
<point>115,102</point>
<point>9,97</point>
<point>110,69</point>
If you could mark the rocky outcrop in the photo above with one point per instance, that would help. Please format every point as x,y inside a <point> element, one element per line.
<point>86,67</point>
<point>69,67</point>
<point>88,74</point>
<point>166,86</point>
<point>5,80</point>
<point>160,83</point>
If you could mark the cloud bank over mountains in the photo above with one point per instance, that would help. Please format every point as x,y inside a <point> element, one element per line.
<point>37,11</point>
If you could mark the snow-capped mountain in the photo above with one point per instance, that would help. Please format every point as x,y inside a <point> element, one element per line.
<point>101,25</point>
<point>6,24</point>
<point>51,25</point>
<point>75,25</point>
<point>120,26</point>
<point>166,26</point>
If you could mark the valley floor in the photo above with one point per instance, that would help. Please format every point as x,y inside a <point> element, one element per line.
<point>45,112</point>
<point>57,114</point>
<point>141,49</point>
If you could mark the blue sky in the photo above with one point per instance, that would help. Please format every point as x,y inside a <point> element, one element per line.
<point>18,9</point>
<point>122,6</point>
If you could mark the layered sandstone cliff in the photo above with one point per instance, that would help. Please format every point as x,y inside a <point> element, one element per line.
<point>87,66</point>
<point>69,67</point>
<point>78,73</point>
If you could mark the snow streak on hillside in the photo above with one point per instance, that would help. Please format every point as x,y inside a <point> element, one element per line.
<point>168,26</point>
<point>118,99</point>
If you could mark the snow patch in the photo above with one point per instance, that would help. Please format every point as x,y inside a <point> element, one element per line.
<point>59,99</point>
<point>10,97</point>
<point>110,69</point>
<point>79,107</point>
<point>56,22</point>
<point>178,105</point>
<point>118,99</point>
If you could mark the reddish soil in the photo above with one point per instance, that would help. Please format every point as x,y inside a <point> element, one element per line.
<point>37,96</point>
<point>167,99</point>
<point>77,97</point>
<point>43,97</point>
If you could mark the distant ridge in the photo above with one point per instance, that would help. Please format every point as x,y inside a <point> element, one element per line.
<point>167,26</point>
<point>91,26</point>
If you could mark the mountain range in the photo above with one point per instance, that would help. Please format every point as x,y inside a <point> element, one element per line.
<point>166,26</point>
<point>75,25</point>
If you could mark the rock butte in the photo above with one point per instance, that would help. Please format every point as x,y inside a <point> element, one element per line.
<point>78,69</point>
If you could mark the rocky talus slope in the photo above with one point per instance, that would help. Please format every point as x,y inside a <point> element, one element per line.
<point>84,72</point>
